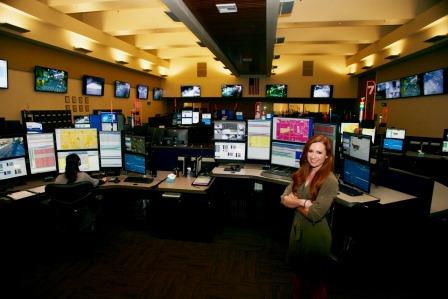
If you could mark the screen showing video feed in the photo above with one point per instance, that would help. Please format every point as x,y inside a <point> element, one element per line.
<point>359,147</point>
<point>190,91</point>
<point>50,80</point>
<point>433,82</point>
<point>392,89</point>
<point>232,90</point>
<point>12,147</point>
<point>76,139</point>
<point>410,86</point>
<point>321,91</point>
<point>381,91</point>
<point>122,89</point>
<point>229,130</point>
<point>12,168</point>
<point>90,160</point>
<point>291,129</point>
<point>395,133</point>
<point>157,93</point>
<point>142,91</point>
<point>41,152</point>
<point>230,151</point>
<point>3,73</point>
<point>135,144</point>
<point>276,90</point>
<point>92,86</point>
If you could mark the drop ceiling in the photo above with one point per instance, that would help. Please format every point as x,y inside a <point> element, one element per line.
<point>150,35</point>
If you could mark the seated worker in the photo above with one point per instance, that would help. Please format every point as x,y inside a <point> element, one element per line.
<point>73,175</point>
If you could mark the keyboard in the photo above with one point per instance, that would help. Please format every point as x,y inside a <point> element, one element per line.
<point>138,179</point>
<point>349,190</point>
<point>277,175</point>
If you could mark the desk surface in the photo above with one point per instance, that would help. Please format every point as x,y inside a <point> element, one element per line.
<point>250,171</point>
<point>378,194</point>
<point>183,185</point>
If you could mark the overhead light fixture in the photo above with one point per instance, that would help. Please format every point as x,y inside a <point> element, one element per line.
<point>147,70</point>
<point>200,44</point>
<point>286,7</point>
<point>392,56</point>
<point>367,67</point>
<point>82,50</point>
<point>276,56</point>
<point>122,62</point>
<point>280,40</point>
<point>227,8</point>
<point>436,38</point>
<point>12,27</point>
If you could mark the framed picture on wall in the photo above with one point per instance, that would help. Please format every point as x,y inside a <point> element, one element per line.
<point>86,100</point>
<point>67,107</point>
<point>80,100</point>
<point>81,108</point>
<point>67,99</point>
<point>73,99</point>
<point>74,108</point>
<point>87,108</point>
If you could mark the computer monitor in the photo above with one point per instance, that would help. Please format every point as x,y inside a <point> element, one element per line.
<point>445,142</point>
<point>41,153</point>
<point>76,139</point>
<point>81,121</point>
<point>348,127</point>
<point>12,168</point>
<point>11,147</point>
<point>286,154</point>
<point>433,82</point>
<point>357,146</point>
<point>297,130</point>
<point>357,174</point>
<point>393,145</point>
<point>328,130</point>
<point>229,130</point>
<point>230,151</point>
<point>195,117</point>
<point>90,160</point>
<point>135,163</point>
<point>110,149</point>
<point>395,133</point>
<point>258,139</point>
<point>33,127</point>
<point>176,137</point>
<point>369,132</point>
<point>206,119</point>
<point>135,144</point>
<point>187,117</point>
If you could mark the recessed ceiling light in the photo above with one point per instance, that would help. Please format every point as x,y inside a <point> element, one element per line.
<point>246,59</point>
<point>280,40</point>
<point>227,8</point>
<point>274,66</point>
<point>351,73</point>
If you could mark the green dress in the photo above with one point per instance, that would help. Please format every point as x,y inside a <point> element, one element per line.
<point>310,237</point>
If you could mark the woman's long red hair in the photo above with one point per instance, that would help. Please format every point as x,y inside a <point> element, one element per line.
<point>299,177</point>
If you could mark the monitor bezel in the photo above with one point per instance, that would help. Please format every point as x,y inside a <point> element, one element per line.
<point>98,80</point>
<point>353,185</point>
<point>313,87</point>
<point>137,91</point>
<point>118,83</point>
<point>37,67</point>
<point>269,86</point>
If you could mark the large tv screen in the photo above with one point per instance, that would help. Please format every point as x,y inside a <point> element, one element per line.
<point>232,91</point>
<point>392,89</point>
<point>433,82</point>
<point>50,80</point>
<point>92,86</point>
<point>276,90</point>
<point>410,86</point>
<point>142,92</point>
<point>190,91</point>
<point>122,89</point>
<point>380,91</point>
<point>3,73</point>
<point>157,93</point>
<point>322,91</point>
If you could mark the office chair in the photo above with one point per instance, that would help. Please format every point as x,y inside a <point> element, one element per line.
<point>73,206</point>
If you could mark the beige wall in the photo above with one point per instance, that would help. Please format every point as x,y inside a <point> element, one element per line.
<point>421,116</point>
<point>22,56</point>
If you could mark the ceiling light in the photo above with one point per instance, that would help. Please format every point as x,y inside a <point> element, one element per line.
<point>272,74</point>
<point>226,8</point>
<point>436,38</point>
<point>122,62</point>
<point>246,59</point>
<point>164,76</point>
<point>216,58</point>
<point>393,56</point>
<point>82,50</point>
<point>12,27</point>
<point>280,40</point>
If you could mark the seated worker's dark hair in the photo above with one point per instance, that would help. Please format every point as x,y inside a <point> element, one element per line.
<point>72,163</point>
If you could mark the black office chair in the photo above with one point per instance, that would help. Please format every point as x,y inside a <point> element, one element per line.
<point>73,205</point>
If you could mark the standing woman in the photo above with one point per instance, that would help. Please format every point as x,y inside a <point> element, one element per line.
<point>311,194</point>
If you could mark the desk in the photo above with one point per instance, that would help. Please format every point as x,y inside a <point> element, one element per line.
<point>183,185</point>
<point>378,194</point>
<point>250,171</point>
<point>161,176</point>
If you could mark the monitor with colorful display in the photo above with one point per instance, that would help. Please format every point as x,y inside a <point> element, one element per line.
<point>297,130</point>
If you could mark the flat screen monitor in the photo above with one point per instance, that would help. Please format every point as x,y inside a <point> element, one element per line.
<point>395,133</point>
<point>142,92</point>
<point>33,127</point>
<point>328,130</point>
<point>410,86</point>
<point>322,91</point>
<point>41,152</point>
<point>3,73</point>
<point>92,86</point>
<point>349,127</point>
<point>177,137</point>
<point>110,149</point>
<point>380,91</point>
<point>393,145</point>
<point>157,93</point>
<point>445,142</point>
<point>195,117</point>
<point>135,163</point>
<point>122,89</point>
<point>296,130</point>
<point>357,146</point>
<point>206,119</point>
<point>76,139</point>
<point>90,160</point>
<point>50,80</point>
<point>392,89</point>
<point>11,147</point>
<point>356,174</point>
<point>433,82</point>
<point>12,168</point>
<point>239,115</point>
<point>286,154</point>
<point>81,121</point>
<point>276,90</point>
<point>232,91</point>
<point>95,121</point>
<point>258,139</point>
<point>190,91</point>
<point>369,132</point>
<point>230,151</point>
<point>135,144</point>
<point>109,117</point>
<point>229,130</point>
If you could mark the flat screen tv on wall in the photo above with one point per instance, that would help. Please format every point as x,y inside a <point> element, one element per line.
<point>276,90</point>
<point>92,86</point>
<point>3,73</point>
<point>142,92</point>
<point>122,89</point>
<point>190,91</point>
<point>157,93</point>
<point>50,80</point>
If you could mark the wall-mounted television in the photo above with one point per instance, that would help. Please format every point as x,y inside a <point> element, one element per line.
<point>322,91</point>
<point>276,90</point>
<point>157,93</point>
<point>433,82</point>
<point>380,91</point>
<point>231,90</point>
<point>142,92</point>
<point>190,91</point>
<point>392,89</point>
<point>3,73</point>
<point>50,80</point>
<point>410,86</point>
<point>122,89</point>
<point>92,86</point>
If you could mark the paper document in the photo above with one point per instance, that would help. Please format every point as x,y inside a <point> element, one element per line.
<point>39,189</point>
<point>20,194</point>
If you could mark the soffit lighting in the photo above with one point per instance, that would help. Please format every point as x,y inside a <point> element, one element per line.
<point>122,62</point>
<point>82,50</point>
<point>393,56</point>
<point>350,74</point>
<point>276,56</point>
<point>164,76</point>
<point>12,27</point>
<point>367,67</point>
<point>227,8</point>
<point>436,38</point>
<point>147,70</point>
